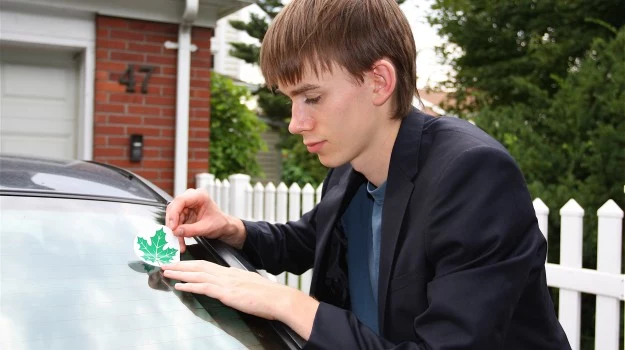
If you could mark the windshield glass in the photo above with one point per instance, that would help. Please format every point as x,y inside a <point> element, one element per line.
<point>71,280</point>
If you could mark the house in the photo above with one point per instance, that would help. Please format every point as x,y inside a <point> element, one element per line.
<point>125,83</point>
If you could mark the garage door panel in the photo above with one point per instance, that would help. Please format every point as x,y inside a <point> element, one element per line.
<point>50,83</point>
<point>36,109</point>
<point>38,104</point>
<point>37,127</point>
<point>28,145</point>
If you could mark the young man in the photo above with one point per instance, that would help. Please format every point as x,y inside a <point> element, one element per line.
<point>425,238</point>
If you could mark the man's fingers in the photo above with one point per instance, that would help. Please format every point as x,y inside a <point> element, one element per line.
<point>190,276</point>
<point>191,198</point>
<point>211,290</point>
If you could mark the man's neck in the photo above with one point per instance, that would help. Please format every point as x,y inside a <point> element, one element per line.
<point>375,161</point>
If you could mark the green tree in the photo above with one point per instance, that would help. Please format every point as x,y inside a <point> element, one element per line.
<point>547,79</point>
<point>235,130</point>
<point>298,165</point>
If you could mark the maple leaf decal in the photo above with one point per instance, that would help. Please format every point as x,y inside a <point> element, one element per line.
<point>154,251</point>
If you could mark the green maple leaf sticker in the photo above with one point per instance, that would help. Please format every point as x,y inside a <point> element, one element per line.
<point>153,251</point>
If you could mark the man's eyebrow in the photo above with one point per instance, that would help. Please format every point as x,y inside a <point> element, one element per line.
<point>300,90</point>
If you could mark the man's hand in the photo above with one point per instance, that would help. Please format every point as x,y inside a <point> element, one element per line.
<point>246,291</point>
<point>194,213</point>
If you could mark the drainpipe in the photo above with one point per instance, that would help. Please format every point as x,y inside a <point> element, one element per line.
<point>182,94</point>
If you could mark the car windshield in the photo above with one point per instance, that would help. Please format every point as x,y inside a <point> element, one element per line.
<point>71,280</point>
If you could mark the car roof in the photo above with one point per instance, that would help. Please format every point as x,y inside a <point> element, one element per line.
<point>26,175</point>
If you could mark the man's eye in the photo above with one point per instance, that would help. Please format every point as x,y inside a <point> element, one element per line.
<point>313,100</point>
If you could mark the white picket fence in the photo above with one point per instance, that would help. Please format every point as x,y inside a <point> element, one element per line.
<point>236,196</point>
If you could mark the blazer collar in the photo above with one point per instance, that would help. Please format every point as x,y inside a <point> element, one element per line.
<point>403,167</point>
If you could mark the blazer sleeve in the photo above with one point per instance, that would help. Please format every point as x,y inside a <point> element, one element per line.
<point>483,245</point>
<point>281,247</point>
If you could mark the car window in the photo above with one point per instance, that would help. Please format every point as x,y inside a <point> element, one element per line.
<point>70,280</point>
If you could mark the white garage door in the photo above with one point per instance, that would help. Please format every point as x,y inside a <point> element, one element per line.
<point>38,102</point>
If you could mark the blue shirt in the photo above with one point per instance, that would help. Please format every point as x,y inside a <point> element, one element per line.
<point>362,222</point>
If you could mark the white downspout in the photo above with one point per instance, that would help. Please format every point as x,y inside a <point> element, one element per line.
<point>182,96</point>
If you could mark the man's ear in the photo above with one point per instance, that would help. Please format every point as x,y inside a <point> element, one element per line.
<point>384,81</point>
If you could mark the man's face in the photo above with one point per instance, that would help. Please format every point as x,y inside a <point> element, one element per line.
<point>335,116</point>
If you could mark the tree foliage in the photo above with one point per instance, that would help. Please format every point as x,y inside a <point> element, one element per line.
<point>235,130</point>
<point>547,79</point>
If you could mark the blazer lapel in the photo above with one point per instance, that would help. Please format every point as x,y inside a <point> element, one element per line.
<point>399,187</point>
<point>330,208</point>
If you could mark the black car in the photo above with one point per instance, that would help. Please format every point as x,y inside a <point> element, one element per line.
<point>71,280</point>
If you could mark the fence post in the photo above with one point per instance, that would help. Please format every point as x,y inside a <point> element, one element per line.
<point>319,190</point>
<point>207,182</point>
<point>542,215</point>
<point>239,184</point>
<point>308,198</point>
<point>249,201</point>
<point>571,256</point>
<point>294,202</point>
<point>608,260</point>
<point>225,196</point>
<point>281,216</point>
<point>258,202</point>
<point>217,194</point>
<point>270,203</point>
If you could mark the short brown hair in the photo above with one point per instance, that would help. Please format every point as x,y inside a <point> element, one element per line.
<point>354,34</point>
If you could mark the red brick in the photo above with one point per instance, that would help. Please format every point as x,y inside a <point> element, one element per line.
<point>102,32</point>
<point>145,48</point>
<point>100,119</point>
<point>153,27</point>
<point>118,140</point>
<point>114,22</point>
<point>101,54</point>
<point>161,59</point>
<point>109,130</point>
<point>126,35</point>
<point>112,152</point>
<point>195,123</point>
<point>167,132</point>
<point>161,101</point>
<point>106,86</point>
<point>200,73</point>
<point>160,38</point>
<point>168,91</point>
<point>163,80</point>
<point>110,44</point>
<point>126,98</point>
<point>158,163</point>
<point>125,119</point>
<point>158,121</point>
<point>200,113</point>
<point>99,140</point>
<point>201,94</point>
<point>169,112</point>
<point>202,84</point>
<point>144,130</point>
<point>109,108</point>
<point>127,57</point>
<point>169,71</point>
<point>200,154</point>
<point>151,153</point>
<point>200,133</point>
<point>112,66</point>
<point>198,144</point>
<point>159,142</point>
<point>198,103</point>
<point>122,163</point>
<point>101,96</point>
<point>144,110</point>
<point>198,164</point>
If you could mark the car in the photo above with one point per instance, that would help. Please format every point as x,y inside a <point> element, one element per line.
<point>70,278</point>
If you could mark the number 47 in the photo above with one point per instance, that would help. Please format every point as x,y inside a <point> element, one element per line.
<point>128,78</point>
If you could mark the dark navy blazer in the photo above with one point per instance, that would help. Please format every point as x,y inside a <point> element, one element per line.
<point>461,260</point>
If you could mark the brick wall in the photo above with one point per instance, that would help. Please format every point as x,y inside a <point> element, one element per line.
<point>119,114</point>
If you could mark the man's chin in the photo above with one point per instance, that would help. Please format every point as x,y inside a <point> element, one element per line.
<point>329,162</point>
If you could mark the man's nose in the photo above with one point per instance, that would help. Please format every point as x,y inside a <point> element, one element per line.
<point>300,121</point>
